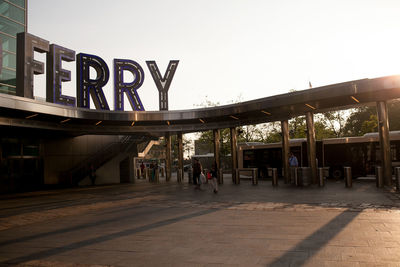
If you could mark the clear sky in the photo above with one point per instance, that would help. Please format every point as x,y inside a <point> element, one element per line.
<point>227,48</point>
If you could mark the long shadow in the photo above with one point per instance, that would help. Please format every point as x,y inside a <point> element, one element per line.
<point>313,243</point>
<point>84,243</point>
<point>78,227</point>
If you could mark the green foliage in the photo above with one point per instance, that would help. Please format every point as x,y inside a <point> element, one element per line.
<point>363,120</point>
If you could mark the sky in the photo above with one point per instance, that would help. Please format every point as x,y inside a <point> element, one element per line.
<point>228,50</point>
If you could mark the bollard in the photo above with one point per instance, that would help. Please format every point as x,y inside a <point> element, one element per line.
<point>274,176</point>
<point>321,177</point>
<point>347,176</point>
<point>296,176</point>
<point>179,175</point>
<point>254,177</point>
<point>379,176</point>
<point>237,178</point>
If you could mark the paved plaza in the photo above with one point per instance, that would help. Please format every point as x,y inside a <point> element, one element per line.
<point>170,224</point>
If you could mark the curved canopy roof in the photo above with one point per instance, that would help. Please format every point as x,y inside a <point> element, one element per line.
<point>28,113</point>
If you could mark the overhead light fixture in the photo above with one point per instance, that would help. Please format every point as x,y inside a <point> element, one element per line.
<point>31,116</point>
<point>133,123</point>
<point>265,112</point>
<point>308,105</point>
<point>97,123</point>
<point>355,99</point>
<point>233,117</point>
<point>64,121</point>
<point>202,121</point>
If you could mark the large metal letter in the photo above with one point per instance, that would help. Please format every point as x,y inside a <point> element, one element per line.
<point>384,142</point>
<point>27,66</point>
<point>56,75</point>
<point>163,83</point>
<point>86,86</point>
<point>121,65</point>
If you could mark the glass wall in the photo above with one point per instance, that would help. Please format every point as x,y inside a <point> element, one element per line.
<point>12,21</point>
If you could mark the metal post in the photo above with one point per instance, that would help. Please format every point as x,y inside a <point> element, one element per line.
<point>321,177</point>
<point>379,176</point>
<point>397,172</point>
<point>168,157</point>
<point>180,158</point>
<point>217,159</point>
<point>254,176</point>
<point>237,173</point>
<point>235,180</point>
<point>384,141</point>
<point>274,176</point>
<point>285,150</point>
<point>311,147</point>
<point>348,177</point>
<point>157,175</point>
<point>296,176</point>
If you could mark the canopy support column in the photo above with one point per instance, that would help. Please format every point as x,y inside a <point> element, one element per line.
<point>384,141</point>
<point>180,176</point>
<point>168,157</point>
<point>311,147</point>
<point>235,179</point>
<point>285,150</point>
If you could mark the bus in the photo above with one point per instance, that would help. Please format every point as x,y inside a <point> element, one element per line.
<point>361,153</point>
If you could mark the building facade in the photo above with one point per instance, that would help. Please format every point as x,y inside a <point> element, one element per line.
<point>13,19</point>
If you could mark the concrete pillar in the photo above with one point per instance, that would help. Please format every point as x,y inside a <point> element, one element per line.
<point>384,141</point>
<point>180,158</point>
<point>168,157</point>
<point>311,147</point>
<point>285,150</point>
<point>234,154</point>
<point>217,158</point>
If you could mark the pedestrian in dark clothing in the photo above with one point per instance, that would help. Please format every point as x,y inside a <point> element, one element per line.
<point>196,173</point>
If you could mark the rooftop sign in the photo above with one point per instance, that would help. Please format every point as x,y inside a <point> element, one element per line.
<point>86,87</point>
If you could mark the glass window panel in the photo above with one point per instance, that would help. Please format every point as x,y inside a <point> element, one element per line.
<point>8,77</point>
<point>20,3</point>
<point>10,27</point>
<point>9,60</point>
<point>9,43</point>
<point>12,12</point>
<point>12,148</point>
<point>7,90</point>
<point>30,150</point>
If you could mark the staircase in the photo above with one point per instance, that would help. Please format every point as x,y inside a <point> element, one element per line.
<point>99,158</point>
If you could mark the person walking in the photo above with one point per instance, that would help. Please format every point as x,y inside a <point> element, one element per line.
<point>196,173</point>
<point>293,160</point>
<point>214,178</point>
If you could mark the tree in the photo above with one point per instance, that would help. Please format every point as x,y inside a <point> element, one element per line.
<point>335,121</point>
<point>363,120</point>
